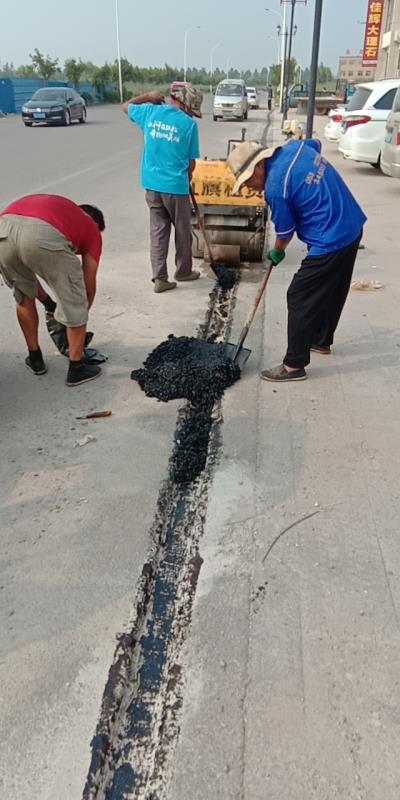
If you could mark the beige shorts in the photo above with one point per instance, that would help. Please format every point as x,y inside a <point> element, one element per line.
<point>31,249</point>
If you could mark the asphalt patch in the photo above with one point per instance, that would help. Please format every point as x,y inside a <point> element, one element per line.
<point>200,371</point>
<point>226,276</point>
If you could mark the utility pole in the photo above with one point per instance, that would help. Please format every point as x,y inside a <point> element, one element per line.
<point>283,57</point>
<point>121,90</point>
<point>189,30</point>
<point>314,68</point>
<point>212,51</point>
<point>292,32</point>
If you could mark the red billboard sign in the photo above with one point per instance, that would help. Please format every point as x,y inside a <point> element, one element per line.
<point>373,33</point>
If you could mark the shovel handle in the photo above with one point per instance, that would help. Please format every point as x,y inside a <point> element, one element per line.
<point>201,225</point>
<point>260,291</point>
<point>251,314</point>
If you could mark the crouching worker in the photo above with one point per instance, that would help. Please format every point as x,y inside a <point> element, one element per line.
<point>41,236</point>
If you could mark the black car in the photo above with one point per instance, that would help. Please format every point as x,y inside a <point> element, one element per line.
<point>55,105</point>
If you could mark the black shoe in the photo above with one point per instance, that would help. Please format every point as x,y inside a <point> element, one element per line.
<point>82,374</point>
<point>36,364</point>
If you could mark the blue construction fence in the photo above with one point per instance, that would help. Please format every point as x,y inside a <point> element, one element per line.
<point>14,92</point>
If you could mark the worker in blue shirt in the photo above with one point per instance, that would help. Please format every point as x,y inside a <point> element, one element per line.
<point>308,197</point>
<point>171,145</point>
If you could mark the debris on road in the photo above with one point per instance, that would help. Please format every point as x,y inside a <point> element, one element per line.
<point>96,415</point>
<point>285,530</point>
<point>86,440</point>
<point>365,286</point>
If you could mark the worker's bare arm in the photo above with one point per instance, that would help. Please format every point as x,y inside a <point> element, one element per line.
<point>156,98</point>
<point>192,164</point>
<point>281,244</point>
<point>90,267</point>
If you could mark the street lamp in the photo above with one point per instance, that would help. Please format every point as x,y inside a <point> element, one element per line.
<point>272,11</point>
<point>212,51</point>
<point>121,91</point>
<point>189,30</point>
<point>282,31</point>
<point>279,47</point>
<point>289,55</point>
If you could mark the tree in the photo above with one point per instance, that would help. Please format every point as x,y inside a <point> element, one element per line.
<point>7,70</point>
<point>324,74</point>
<point>73,70</point>
<point>127,71</point>
<point>275,73</point>
<point>25,71</point>
<point>44,65</point>
<point>101,77</point>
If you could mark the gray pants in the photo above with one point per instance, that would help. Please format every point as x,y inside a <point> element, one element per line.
<point>167,209</point>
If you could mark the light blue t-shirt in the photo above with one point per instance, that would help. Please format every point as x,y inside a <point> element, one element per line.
<point>307,195</point>
<point>171,140</point>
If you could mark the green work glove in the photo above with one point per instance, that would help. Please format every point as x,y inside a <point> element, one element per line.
<point>276,256</point>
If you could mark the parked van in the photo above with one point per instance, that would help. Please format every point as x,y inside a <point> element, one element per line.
<point>390,153</point>
<point>230,100</point>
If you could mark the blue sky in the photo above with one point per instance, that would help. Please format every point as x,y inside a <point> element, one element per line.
<point>152,33</point>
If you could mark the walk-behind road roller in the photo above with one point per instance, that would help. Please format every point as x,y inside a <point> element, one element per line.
<point>236,224</point>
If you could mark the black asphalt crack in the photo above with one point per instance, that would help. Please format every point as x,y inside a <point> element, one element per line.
<point>265,132</point>
<point>139,719</point>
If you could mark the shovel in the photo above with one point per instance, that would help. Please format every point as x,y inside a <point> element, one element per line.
<point>226,252</point>
<point>236,352</point>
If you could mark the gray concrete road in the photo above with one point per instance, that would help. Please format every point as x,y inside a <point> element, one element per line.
<point>291,663</point>
<point>75,520</point>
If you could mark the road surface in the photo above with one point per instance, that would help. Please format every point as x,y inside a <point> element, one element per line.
<point>288,672</point>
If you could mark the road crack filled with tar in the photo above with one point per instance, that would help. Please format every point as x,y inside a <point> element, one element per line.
<point>140,715</point>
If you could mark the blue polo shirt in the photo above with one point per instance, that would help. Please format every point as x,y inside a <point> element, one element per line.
<point>307,196</point>
<point>171,140</point>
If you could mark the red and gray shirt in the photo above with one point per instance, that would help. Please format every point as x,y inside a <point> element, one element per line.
<point>64,215</point>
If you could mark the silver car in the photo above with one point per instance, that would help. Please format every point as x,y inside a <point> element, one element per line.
<point>252,96</point>
<point>230,100</point>
<point>390,153</point>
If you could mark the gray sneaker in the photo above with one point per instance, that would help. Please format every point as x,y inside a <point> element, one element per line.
<point>281,374</point>
<point>161,285</point>
<point>193,276</point>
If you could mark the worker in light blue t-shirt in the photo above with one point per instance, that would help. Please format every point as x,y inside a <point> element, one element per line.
<point>171,145</point>
<point>307,197</point>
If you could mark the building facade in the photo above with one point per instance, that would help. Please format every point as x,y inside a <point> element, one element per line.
<point>352,70</point>
<point>389,52</point>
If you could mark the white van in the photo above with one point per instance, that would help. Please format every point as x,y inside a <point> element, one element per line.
<point>230,100</point>
<point>390,153</point>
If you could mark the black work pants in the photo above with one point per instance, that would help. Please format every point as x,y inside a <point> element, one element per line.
<point>315,300</point>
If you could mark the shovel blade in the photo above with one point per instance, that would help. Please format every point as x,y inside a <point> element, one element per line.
<point>242,356</point>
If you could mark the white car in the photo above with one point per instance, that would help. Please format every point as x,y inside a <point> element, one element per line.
<point>363,127</point>
<point>252,96</point>
<point>390,153</point>
<point>332,128</point>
